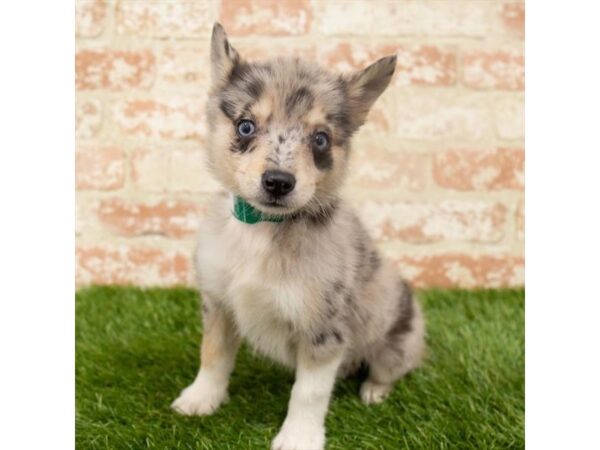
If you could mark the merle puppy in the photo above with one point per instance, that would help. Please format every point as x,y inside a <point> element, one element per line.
<point>282,261</point>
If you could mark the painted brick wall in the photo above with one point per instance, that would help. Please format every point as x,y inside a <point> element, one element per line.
<point>437,171</point>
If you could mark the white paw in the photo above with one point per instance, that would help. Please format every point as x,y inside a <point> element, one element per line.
<point>372,393</point>
<point>299,438</point>
<point>198,400</point>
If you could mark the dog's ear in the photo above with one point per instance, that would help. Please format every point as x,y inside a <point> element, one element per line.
<point>365,86</point>
<point>223,57</point>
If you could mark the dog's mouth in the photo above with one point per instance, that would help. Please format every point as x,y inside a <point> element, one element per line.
<point>274,203</point>
<point>275,206</point>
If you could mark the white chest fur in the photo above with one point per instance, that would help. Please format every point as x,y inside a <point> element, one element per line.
<point>238,266</point>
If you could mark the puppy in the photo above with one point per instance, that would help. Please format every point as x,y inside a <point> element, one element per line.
<point>281,260</point>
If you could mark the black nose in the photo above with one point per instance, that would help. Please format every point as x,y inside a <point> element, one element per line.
<point>278,183</point>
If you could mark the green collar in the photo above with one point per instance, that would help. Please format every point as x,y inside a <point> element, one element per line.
<point>245,212</point>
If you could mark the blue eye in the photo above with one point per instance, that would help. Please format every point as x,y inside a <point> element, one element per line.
<point>246,128</point>
<point>321,141</point>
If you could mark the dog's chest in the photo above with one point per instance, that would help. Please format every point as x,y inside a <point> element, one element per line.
<point>266,316</point>
<point>239,266</point>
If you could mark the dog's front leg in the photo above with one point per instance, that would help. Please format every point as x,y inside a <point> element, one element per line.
<point>304,426</point>
<point>220,343</point>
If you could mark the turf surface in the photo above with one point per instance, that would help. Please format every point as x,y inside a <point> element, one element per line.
<point>136,349</point>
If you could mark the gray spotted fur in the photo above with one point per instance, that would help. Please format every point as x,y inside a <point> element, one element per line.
<point>312,290</point>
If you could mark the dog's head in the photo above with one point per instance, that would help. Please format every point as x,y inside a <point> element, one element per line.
<point>279,131</point>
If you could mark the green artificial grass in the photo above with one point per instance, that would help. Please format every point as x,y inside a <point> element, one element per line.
<point>136,350</point>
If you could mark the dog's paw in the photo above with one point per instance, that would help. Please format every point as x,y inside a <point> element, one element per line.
<point>197,400</point>
<point>372,393</point>
<point>299,438</point>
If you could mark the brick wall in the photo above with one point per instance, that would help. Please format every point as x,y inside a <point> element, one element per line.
<point>437,171</point>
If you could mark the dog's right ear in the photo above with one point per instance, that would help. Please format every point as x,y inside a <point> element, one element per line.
<point>223,57</point>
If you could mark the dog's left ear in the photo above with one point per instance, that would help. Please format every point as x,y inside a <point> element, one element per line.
<point>223,57</point>
<point>365,86</point>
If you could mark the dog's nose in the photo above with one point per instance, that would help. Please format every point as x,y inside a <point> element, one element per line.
<point>278,183</point>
